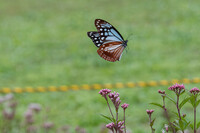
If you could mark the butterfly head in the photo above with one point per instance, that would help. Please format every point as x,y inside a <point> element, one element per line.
<point>125,43</point>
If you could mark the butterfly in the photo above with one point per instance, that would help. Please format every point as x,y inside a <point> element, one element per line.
<point>109,41</point>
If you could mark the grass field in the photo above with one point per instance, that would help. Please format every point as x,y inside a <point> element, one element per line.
<point>44,43</point>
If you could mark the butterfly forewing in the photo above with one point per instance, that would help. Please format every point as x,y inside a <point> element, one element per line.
<point>95,38</point>
<point>111,51</point>
<point>107,32</point>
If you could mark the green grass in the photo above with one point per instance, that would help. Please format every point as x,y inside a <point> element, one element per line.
<point>44,43</point>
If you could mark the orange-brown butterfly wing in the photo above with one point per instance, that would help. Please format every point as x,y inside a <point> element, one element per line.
<point>111,51</point>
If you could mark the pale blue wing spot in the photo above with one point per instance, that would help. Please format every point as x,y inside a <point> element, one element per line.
<point>111,39</point>
<point>115,34</point>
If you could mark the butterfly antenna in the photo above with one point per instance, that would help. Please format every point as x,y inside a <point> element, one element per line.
<point>129,36</point>
<point>128,39</point>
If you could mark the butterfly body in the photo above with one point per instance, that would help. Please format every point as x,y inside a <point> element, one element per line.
<point>109,41</point>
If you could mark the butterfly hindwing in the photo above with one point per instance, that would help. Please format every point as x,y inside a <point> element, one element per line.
<point>111,51</point>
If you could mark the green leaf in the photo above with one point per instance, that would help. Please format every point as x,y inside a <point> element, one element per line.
<point>185,120</point>
<point>109,118</point>
<point>198,124</point>
<point>152,122</point>
<point>192,100</point>
<point>198,102</point>
<point>171,99</point>
<point>191,125</point>
<point>175,114</point>
<point>186,124</point>
<point>181,124</point>
<point>176,124</point>
<point>157,104</point>
<point>184,102</point>
<point>182,92</point>
<point>154,130</point>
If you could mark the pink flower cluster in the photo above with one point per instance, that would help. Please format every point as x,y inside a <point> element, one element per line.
<point>177,88</point>
<point>104,92</point>
<point>9,108</point>
<point>194,90</point>
<point>8,114</point>
<point>149,111</point>
<point>119,126</point>
<point>110,126</point>
<point>114,97</point>
<point>161,92</point>
<point>29,116</point>
<point>33,107</point>
<point>124,106</point>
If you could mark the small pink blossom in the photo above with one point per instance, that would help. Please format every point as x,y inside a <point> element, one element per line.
<point>149,111</point>
<point>166,128</point>
<point>104,92</point>
<point>161,92</point>
<point>29,116</point>
<point>194,90</point>
<point>110,126</point>
<point>35,107</point>
<point>120,126</point>
<point>114,97</point>
<point>124,106</point>
<point>120,123</point>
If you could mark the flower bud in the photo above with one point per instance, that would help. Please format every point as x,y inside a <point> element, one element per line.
<point>124,106</point>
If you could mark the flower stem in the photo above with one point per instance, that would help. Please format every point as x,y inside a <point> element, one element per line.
<point>116,119</point>
<point>168,119</point>
<point>150,124</point>
<point>124,122</point>
<point>167,116</point>
<point>195,115</point>
<point>117,116</point>
<point>177,106</point>
<point>110,108</point>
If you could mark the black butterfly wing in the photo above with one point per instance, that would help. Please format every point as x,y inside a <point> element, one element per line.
<point>107,32</point>
<point>95,36</point>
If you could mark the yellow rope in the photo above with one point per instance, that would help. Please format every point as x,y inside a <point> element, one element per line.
<point>98,86</point>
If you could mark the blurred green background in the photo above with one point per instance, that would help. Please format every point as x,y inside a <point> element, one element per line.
<point>44,43</point>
